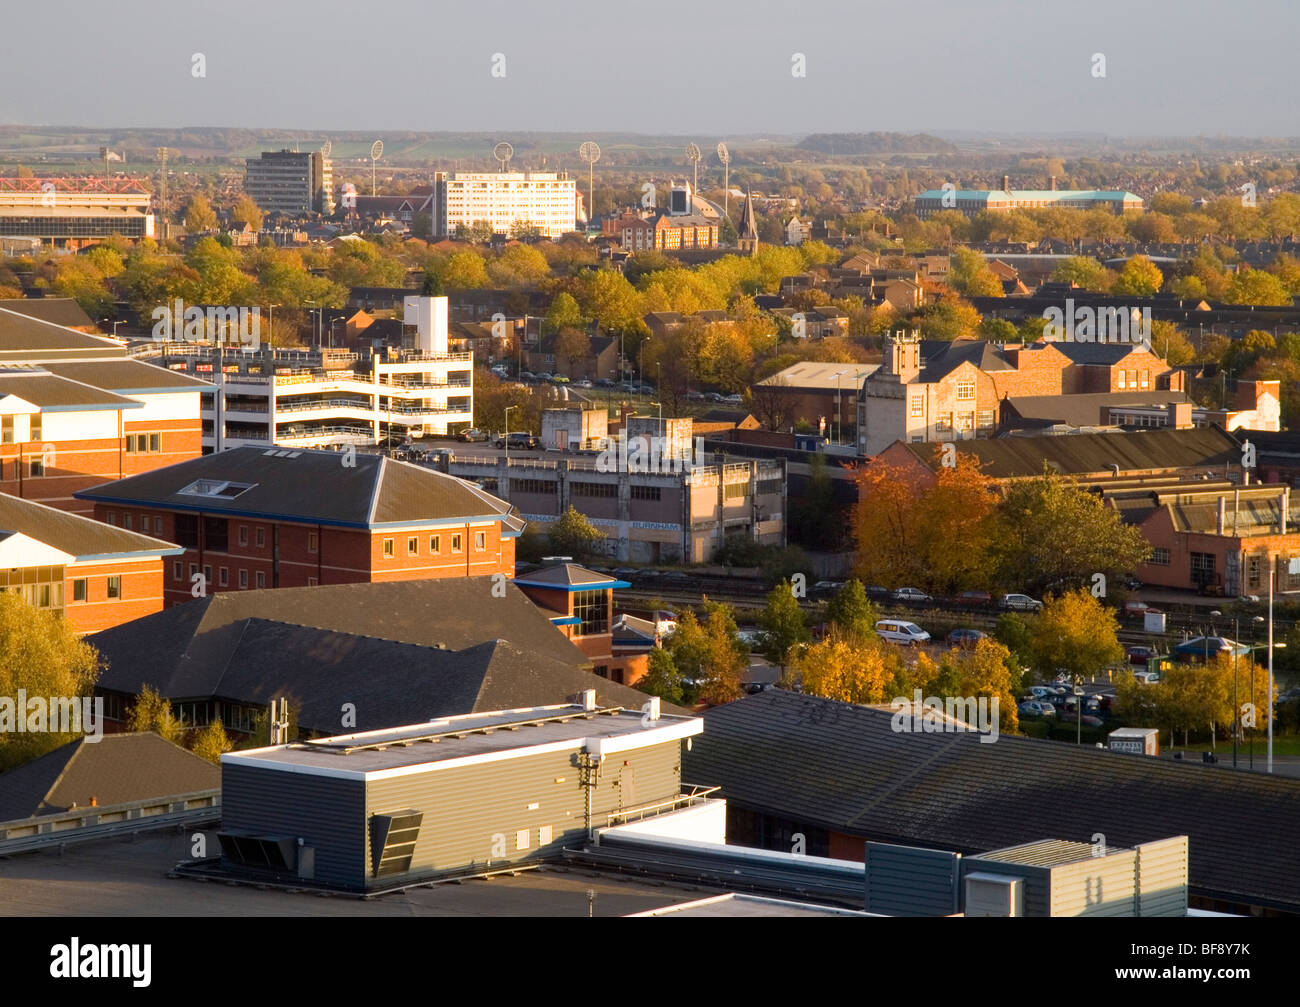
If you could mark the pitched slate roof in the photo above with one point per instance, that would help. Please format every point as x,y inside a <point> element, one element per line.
<point>51,392</point>
<point>949,356</point>
<point>78,536</point>
<point>126,376</point>
<point>397,651</point>
<point>116,769</point>
<point>569,577</point>
<point>842,767</point>
<point>312,486</point>
<point>1085,409</point>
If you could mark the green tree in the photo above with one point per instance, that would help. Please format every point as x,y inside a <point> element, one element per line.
<point>1086,272</point>
<point>432,285</point>
<point>573,535</point>
<point>465,271</point>
<point>41,654</point>
<point>851,612</point>
<point>663,679</point>
<point>1254,286</point>
<point>563,313</point>
<point>783,625</point>
<point>245,212</point>
<point>969,274</point>
<point>152,712</point>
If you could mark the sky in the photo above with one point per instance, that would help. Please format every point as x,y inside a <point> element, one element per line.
<point>1188,68</point>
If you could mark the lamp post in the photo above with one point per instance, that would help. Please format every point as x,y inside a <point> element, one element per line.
<point>505,440</point>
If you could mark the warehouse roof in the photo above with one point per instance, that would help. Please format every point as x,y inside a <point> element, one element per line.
<point>1157,450</point>
<point>843,767</point>
<point>371,492</point>
<point>473,738</point>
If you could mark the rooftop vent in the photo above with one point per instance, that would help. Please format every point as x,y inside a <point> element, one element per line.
<point>221,488</point>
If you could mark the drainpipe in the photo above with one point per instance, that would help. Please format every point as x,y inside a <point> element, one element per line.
<point>1219,519</point>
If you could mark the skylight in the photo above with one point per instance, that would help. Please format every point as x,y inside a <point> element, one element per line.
<point>222,488</point>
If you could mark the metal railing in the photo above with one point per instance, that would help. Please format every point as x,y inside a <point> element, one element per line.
<point>86,824</point>
<point>661,807</point>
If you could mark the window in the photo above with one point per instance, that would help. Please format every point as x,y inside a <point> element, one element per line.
<point>388,548</point>
<point>602,490</point>
<point>735,491</point>
<point>243,579</point>
<point>1159,557</point>
<point>112,517</point>
<point>155,443</point>
<point>1146,379</point>
<point>216,534</point>
<point>261,538</point>
<point>187,531</point>
<point>178,570</point>
<point>243,534</point>
<point>944,423</point>
<point>965,391</point>
<point>38,468</point>
<point>261,579</point>
<point>592,610</point>
<point>521,839</point>
<point>114,588</point>
<point>311,541</point>
<point>435,544</point>
<point>128,521</point>
<point>36,427</point>
<point>157,525</point>
<point>7,429</point>
<point>413,546</point>
<point>985,419</point>
<point>1121,380</point>
<point>651,493</point>
<point>918,405</point>
<point>194,568</point>
<point>543,486</point>
<point>79,589</point>
<point>1254,570</point>
<point>225,576</point>
<point>480,541</point>
<point>312,582</point>
<point>207,576</point>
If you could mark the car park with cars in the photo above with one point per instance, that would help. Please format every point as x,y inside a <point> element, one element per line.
<point>1020,603</point>
<point>910,596</point>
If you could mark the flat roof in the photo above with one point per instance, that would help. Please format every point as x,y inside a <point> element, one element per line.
<point>468,739</point>
<point>734,904</point>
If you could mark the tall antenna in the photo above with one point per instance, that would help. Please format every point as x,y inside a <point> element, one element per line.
<point>724,156</point>
<point>376,152</point>
<point>162,159</point>
<point>590,152</point>
<point>503,152</point>
<point>693,155</point>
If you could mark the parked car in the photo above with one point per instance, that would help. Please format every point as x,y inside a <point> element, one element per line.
<point>973,599</point>
<point>1042,692</point>
<point>966,638</point>
<point>1139,656</point>
<point>734,400</point>
<point>909,634</point>
<point>910,595</point>
<point>1147,677</point>
<point>518,439</point>
<point>1037,708</point>
<point>473,435</point>
<point>1136,607</point>
<point>877,592</point>
<point>1020,603</point>
<point>824,588</point>
<point>559,379</point>
<point>582,383</point>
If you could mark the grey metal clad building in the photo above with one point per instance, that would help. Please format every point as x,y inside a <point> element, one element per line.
<point>459,795</point>
<point>290,182</point>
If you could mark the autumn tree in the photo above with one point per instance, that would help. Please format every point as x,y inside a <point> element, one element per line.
<point>1140,277</point>
<point>1049,534</point>
<point>153,712</point>
<point>850,669</point>
<point>887,533</point>
<point>246,213</point>
<point>211,742</point>
<point>662,679</point>
<point>956,521</point>
<point>1075,633</point>
<point>42,655</point>
<point>969,274</point>
<point>199,215</point>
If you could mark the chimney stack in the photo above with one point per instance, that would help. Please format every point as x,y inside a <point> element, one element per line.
<point>1006,183</point>
<point>1053,186</point>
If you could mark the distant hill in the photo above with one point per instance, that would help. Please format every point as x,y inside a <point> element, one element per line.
<point>877,143</point>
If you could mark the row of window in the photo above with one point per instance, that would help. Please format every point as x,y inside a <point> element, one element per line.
<point>435,544</point>
<point>1131,379</point>
<point>7,429</point>
<point>223,576</point>
<point>143,444</point>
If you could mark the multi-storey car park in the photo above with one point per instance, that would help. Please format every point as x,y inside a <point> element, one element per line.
<point>323,397</point>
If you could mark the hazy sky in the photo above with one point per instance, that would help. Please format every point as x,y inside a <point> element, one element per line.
<point>671,66</point>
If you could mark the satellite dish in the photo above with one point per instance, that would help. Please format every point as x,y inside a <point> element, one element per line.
<point>692,152</point>
<point>503,152</point>
<point>724,155</point>
<point>325,148</point>
<point>377,150</point>
<point>590,152</point>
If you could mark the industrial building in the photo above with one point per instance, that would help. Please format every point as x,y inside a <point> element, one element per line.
<point>546,200</point>
<point>973,201</point>
<point>460,795</point>
<point>71,212</point>
<point>290,183</point>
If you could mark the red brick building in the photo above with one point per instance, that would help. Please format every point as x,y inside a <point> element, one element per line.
<point>96,576</point>
<point>76,411</point>
<point>253,518</point>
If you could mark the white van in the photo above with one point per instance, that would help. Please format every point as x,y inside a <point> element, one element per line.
<point>897,631</point>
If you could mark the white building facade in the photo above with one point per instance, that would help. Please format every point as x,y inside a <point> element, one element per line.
<point>546,200</point>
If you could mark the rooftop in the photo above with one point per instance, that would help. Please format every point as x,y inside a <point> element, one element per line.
<point>77,536</point>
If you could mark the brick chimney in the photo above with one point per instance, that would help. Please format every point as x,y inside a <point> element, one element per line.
<point>1180,415</point>
<point>903,356</point>
<point>1053,183</point>
<point>1006,183</point>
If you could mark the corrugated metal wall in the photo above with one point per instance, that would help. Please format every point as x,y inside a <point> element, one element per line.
<point>1162,877</point>
<point>499,812</point>
<point>328,814</point>
<point>1102,886</point>
<point>1037,886</point>
<point>909,881</point>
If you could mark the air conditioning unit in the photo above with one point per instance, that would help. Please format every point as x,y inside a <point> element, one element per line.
<point>994,895</point>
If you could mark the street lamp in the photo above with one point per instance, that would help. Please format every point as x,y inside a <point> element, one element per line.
<point>505,439</point>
